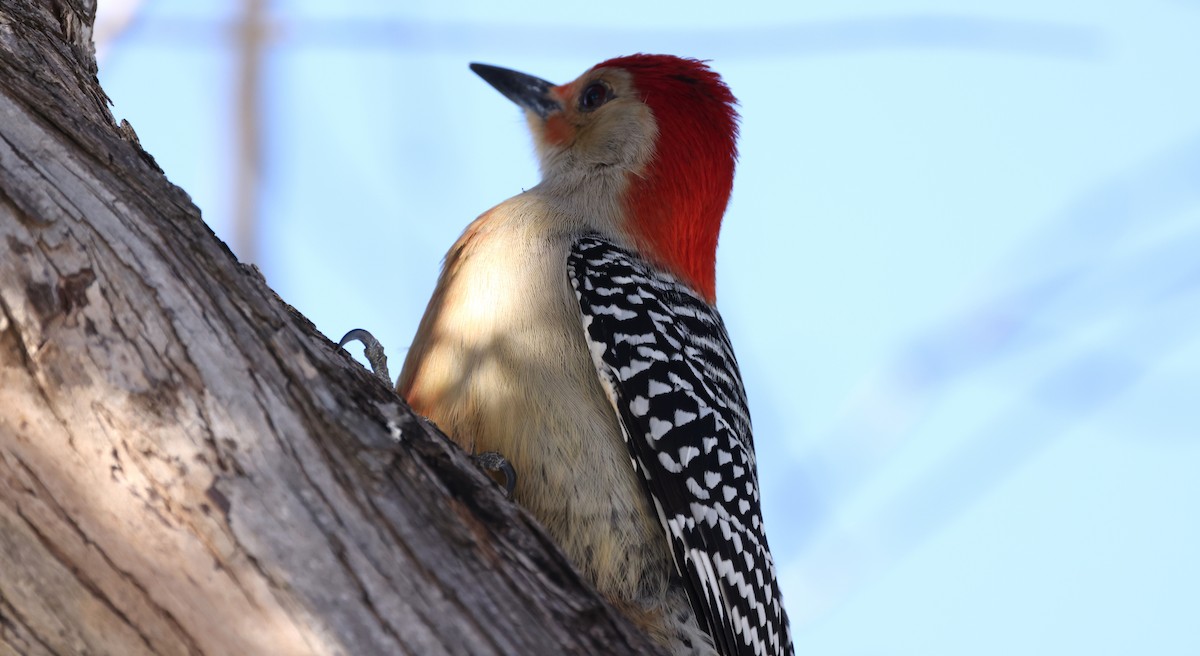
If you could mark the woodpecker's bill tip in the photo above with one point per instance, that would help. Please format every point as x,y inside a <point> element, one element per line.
<point>529,92</point>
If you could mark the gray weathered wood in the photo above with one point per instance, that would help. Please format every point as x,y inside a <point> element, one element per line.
<point>186,465</point>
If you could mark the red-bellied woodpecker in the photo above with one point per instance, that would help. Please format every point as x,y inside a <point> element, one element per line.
<point>573,331</point>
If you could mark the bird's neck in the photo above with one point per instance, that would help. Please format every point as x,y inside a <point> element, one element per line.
<point>592,198</point>
<point>669,216</point>
<point>677,223</point>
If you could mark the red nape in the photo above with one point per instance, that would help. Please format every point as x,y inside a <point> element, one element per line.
<point>675,207</point>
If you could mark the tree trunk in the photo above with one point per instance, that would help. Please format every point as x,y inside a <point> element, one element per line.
<point>186,465</point>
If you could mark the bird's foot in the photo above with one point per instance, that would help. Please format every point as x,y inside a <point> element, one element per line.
<point>373,351</point>
<point>492,462</point>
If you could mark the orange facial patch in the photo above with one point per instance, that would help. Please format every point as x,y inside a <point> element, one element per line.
<point>559,128</point>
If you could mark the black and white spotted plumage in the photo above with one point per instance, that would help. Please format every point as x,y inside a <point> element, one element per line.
<point>666,362</point>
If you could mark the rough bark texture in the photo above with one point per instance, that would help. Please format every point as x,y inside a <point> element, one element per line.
<point>186,465</point>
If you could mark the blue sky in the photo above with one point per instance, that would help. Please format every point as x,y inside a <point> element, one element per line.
<point>959,267</point>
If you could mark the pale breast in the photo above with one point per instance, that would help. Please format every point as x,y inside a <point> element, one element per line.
<point>500,363</point>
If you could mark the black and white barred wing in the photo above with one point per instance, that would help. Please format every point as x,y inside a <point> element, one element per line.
<point>669,369</point>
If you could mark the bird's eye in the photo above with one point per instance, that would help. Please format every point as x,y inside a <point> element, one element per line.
<point>595,95</point>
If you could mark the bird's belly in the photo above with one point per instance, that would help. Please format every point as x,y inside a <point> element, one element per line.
<point>504,366</point>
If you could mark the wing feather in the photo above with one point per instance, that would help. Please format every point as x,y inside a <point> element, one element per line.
<point>665,359</point>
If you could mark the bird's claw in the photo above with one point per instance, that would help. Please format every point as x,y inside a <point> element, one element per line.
<point>494,462</point>
<point>373,351</point>
<point>490,461</point>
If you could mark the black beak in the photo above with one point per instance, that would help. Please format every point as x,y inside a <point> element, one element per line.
<point>528,91</point>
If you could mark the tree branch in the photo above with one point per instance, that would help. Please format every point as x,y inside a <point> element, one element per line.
<point>186,465</point>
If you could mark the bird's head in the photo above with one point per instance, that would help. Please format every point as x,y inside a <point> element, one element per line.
<point>660,131</point>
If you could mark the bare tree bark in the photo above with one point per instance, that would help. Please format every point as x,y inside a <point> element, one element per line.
<point>186,465</point>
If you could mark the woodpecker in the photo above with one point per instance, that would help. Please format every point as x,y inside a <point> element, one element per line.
<point>573,330</point>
